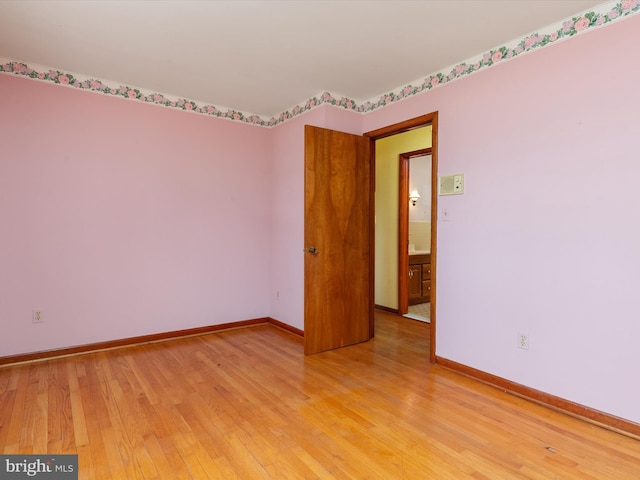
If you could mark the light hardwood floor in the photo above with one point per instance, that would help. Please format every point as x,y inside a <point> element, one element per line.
<point>246,404</point>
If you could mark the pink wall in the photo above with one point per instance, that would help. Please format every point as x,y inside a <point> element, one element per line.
<point>545,238</point>
<point>286,267</point>
<point>122,219</point>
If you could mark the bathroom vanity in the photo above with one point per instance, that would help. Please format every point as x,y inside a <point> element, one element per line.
<point>419,277</point>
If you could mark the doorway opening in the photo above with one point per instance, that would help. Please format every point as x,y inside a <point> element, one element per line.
<point>401,248</point>
<point>414,234</point>
<point>339,233</point>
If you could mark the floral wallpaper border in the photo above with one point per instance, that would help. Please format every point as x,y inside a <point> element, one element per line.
<point>569,28</point>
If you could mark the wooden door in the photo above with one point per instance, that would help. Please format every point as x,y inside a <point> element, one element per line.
<point>337,234</point>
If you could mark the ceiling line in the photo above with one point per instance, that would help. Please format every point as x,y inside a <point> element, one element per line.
<point>605,14</point>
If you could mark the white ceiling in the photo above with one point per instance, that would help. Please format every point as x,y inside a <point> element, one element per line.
<point>266,56</point>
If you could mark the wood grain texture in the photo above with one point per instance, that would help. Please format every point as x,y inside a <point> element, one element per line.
<point>403,235</point>
<point>434,234</point>
<point>247,404</point>
<point>337,295</point>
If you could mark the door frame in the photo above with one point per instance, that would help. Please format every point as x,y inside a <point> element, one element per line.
<point>405,126</point>
<point>403,226</point>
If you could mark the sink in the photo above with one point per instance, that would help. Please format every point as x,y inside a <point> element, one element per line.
<point>419,252</point>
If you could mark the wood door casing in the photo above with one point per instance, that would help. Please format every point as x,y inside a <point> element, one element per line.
<point>403,226</point>
<point>432,119</point>
<point>337,279</point>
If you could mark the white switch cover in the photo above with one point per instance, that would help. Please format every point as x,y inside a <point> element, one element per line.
<point>458,183</point>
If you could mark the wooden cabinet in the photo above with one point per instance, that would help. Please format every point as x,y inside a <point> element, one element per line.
<point>426,280</point>
<point>415,282</point>
<point>419,278</point>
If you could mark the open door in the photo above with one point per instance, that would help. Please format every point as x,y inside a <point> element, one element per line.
<point>337,234</point>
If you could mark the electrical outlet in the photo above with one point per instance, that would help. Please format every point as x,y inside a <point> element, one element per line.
<point>523,341</point>
<point>37,316</point>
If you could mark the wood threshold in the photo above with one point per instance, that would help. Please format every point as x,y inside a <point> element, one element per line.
<point>582,412</point>
<point>131,341</point>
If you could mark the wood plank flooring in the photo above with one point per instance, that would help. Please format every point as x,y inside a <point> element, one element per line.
<point>246,404</point>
